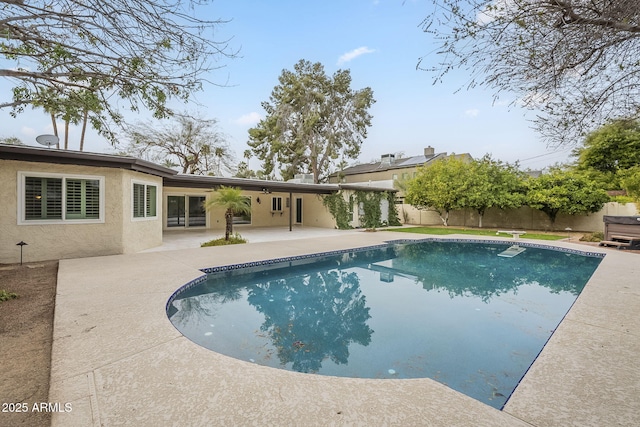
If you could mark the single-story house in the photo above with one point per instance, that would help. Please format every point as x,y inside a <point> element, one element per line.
<point>70,204</point>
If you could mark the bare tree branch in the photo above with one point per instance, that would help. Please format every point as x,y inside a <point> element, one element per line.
<point>575,61</point>
<point>142,51</point>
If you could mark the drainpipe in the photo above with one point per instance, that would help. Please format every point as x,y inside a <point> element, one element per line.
<point>290,208</point>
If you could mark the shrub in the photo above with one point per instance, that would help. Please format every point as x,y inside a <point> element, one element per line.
<point>4,295</point>
<point>233,240</point>
<point>592,237</point>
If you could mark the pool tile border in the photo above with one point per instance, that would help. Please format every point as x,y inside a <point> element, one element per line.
<point>505,242</point>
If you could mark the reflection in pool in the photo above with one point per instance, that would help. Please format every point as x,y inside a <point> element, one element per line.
<point>455,312</point>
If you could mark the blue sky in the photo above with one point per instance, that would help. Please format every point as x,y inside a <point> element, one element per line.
<point>381,43</point>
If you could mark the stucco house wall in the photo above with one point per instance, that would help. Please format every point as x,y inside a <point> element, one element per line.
<point>315,214</point>
<point>139,233</point>
<point>117,232</point>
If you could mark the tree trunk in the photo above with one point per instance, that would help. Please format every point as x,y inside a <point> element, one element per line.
<point>66,134</point>
<point>480,219</point>
<point>229,228</point>
<point>55,128</point>
<point>445,218</point>
<point>84,128</point>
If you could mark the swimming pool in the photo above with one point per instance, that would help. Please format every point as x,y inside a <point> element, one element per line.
<point>453,311</point>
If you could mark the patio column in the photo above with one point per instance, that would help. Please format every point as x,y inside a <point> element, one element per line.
<point>290,208</point>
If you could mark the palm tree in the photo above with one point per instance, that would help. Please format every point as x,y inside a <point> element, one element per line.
<point>233,201</point>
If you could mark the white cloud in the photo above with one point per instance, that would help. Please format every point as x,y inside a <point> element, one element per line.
<point>27,131</point>
<point>472,112</point>
<point>251,118</point>
<point>354,54</point>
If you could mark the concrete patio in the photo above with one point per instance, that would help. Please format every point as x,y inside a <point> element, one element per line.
<point>119,361</point>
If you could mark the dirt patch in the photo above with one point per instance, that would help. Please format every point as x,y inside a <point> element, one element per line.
<point>26,334</point>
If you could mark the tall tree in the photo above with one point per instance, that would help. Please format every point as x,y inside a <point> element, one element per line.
<point>612,148</point>
<point>441,187</point>
<point>493,184</point>
<point>233,202</point>
<point>145,52</point>
<point>312,120</point>
<point>565,191</point>
<point>575,61</point>
<point>195,145</point>
<point>73,107</point>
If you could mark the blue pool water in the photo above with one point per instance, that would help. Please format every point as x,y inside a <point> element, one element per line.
<point>455,312</point>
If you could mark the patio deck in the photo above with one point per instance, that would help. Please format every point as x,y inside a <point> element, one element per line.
<point>119,361</point>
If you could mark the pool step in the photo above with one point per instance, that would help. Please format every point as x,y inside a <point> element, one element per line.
<point>512,251</point>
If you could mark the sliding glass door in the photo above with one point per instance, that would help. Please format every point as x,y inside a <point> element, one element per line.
<point>186,211</point>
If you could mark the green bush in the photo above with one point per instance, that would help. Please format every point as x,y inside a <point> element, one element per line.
<point>598,236</point>
<point>233,240</point>
<point>4,295</point>
<point>623,199</point>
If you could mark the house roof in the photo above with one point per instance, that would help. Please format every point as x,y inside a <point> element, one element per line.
<point>28,153</point>
<point>407,162</point>
<point>170,177</point>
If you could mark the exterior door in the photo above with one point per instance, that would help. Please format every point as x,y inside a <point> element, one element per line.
<point>197,212</point>
<point>186,211</point>
<point>175,211</point>
<point>299,210</point>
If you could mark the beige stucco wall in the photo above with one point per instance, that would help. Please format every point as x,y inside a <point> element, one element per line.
<point>54,241</point>
<point>117,234</point>
<point>315,214</point>
<point>139,234</point>
<point>523,218</point>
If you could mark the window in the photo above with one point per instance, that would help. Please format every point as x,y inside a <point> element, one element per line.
<point>83,199</point>
<point>59,198</point>
<point>43,198</point>
<point>276,204</point>
<point>145,200</point>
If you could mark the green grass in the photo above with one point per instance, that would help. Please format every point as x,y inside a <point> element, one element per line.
<point>474,231</point>
<point>4,295</point>
<point>233,240</point>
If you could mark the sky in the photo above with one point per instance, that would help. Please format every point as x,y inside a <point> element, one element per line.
<point>381,43</point>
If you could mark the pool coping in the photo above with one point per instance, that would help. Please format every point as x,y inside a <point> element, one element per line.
<point>112,377</point>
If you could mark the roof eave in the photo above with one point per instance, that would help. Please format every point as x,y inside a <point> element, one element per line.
<point>67,157</point>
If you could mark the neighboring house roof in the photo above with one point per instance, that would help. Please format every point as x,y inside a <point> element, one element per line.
<point>390,164</point>
<point>170,177</point>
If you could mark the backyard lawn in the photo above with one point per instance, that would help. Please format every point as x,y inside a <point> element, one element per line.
<point>477,232</point>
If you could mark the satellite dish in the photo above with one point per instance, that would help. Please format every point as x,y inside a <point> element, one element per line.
<point>47,140</point>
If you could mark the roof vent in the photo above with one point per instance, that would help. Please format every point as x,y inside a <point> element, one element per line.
<point>303,178</point>
<point>387,159</point>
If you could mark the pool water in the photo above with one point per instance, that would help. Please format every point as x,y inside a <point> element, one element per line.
<point>455,312</point>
